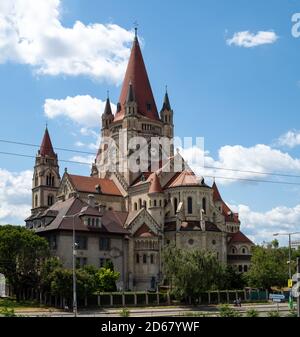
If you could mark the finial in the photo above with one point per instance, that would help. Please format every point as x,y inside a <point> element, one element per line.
<point>107,94</point>
<point>166,88</point>
<point>135,28</point>
<point>46,125</point>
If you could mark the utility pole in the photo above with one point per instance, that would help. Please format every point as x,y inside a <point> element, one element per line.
<point>298,286</point>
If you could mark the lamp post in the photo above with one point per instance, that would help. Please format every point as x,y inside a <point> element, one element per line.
<point>73,259</point>
<point>290,258</point>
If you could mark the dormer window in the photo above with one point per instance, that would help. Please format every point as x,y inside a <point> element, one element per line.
<point>92,222</point>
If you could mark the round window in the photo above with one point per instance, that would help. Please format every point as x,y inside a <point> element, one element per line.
<point>191,242</point>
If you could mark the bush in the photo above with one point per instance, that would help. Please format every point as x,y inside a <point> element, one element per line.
<point>252,313</point>
<point>273,314</point>
<point>7,312</point>
<point>292,313</point>
<point>226,311</point>
<point>124,312</point>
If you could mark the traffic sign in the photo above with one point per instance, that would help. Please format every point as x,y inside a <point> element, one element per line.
<point>290,283</point>
<point>277,297</point>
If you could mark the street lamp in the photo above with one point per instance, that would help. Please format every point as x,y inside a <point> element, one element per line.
<point>290,255</point>
<point>73,216</point>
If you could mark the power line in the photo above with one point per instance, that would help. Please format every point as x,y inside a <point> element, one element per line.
<point>205,176</point>
<point>205,167</point>
<point>38,146</point>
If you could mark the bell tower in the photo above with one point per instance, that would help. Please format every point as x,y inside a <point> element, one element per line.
<point>46,178</point>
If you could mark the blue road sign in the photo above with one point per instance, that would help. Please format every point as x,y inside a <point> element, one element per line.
<point>277,297</point>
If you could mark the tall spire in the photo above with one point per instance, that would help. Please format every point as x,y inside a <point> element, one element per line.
<point>216,193</point>
<point>130,94</point>
<point>107,110</point>
<point>136,73</point>
<point>166,105</point>
<point>46,148</point>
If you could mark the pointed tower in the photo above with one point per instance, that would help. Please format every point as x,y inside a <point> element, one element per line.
<point>136,77</point>
<point>107,118</point>
<point>156,196</point>
<point>46,176</point>
<point>136,116</point>
<point>166,115</point>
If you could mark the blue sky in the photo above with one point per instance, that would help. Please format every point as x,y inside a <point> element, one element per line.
<point>230,94</point>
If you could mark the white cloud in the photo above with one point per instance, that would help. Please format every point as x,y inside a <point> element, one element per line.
<point>84,160</point>
<point>259,158</point>
<point>84,110</point>
<point>31,33</point>
<point>15,196</point>
<point>249,40</point>
<point>290,139</point>
<point>260,226</point>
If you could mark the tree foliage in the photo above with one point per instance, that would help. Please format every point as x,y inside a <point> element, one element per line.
<point>269,267</point>
<point>191,272</point>
<point>21,256</point>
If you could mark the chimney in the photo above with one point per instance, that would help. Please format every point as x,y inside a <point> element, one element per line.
<point>91,201</point>
<point>102,209</point>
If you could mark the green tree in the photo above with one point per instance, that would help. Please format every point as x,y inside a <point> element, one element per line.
<point>232,279</point>
<point>191,272</point>
<point>268,267</point>
<point>107,279</point>
<point>21,256</point>
<point>62,282</point>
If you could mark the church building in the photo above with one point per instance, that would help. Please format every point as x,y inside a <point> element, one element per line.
<point>128,216</point>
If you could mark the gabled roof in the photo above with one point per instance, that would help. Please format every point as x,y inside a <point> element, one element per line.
<point>144,232</point>
<point>136,74</point>
<point>240,237</point>
<point>46,148</point>
<point>227,212</point>
<point>88,185</point>
<point>184,178</point>
<point>112,221</point>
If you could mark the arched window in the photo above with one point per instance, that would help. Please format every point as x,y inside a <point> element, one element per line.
<point>36,199</point>
<point>245,268</point>
<point>244,250</point>
<point>137,258</point>
<point>140,203</point>
<point>233,250</point>
<point>204,204</point>
<point>155,203</point>
<point>36,180</point>
<point>175,205</point>
<point>145,204</point>
<point>144,258</point>
<point>50,200</point>
<point>190,205</point>
<point>152,259</point>
<point>135,206</point>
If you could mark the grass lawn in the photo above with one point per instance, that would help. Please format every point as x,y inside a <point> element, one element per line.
<point>22,305</point>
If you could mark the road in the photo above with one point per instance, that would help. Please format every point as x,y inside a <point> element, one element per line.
<point>263,309</point>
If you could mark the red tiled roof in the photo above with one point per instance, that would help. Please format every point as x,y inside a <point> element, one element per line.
<point>144,231</point>
<point>46,148</point>
<point>88,184</point>
<point>136,74</point>
<point>155,186</point>
<point>216,193</point>
<point>240,237</point>
<point>227,212</point>
<point>184,178</point>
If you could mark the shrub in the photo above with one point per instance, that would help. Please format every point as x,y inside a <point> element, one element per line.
<point>273,314</point>
<point>124,312</point>
<point>226,311</point>
<point>252,313</point>
<point>292,313</point>
<point>7,312</point>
